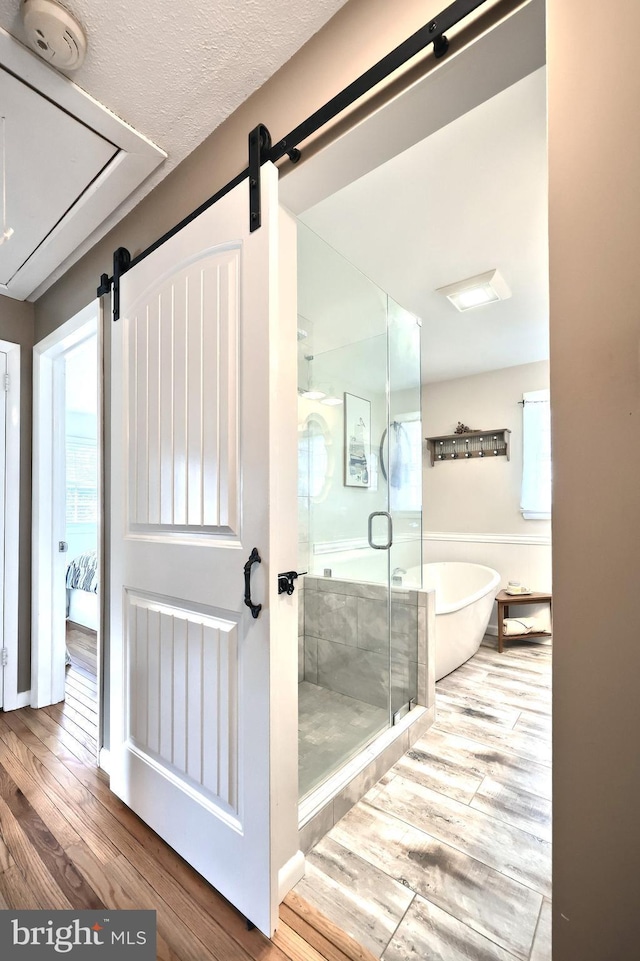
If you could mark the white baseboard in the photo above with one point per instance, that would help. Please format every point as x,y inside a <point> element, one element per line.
<point>105,760</point>
<point>19,700</point>
<point>289,874</point>
<point>22,699</point>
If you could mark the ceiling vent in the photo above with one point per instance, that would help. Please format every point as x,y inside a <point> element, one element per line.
<point>54,34</point>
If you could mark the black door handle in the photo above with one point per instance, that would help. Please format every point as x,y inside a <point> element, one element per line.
<point>254,558</point>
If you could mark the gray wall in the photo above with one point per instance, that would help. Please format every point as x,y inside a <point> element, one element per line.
<point>594,225</point>
<point>594,159</point>
<point>16,325</point>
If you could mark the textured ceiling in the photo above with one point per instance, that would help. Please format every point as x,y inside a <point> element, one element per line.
<point>173,70</point>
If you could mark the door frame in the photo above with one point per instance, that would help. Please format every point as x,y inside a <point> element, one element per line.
<point>10,698</point>
<point>47,685</point>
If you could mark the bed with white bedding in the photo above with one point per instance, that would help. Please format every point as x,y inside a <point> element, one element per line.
<point>82,590</point>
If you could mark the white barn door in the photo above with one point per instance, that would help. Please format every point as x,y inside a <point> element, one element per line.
<point>203,695</point>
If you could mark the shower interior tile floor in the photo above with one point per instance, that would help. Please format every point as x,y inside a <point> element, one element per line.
<point>448,857</point>
<point>332,728</point>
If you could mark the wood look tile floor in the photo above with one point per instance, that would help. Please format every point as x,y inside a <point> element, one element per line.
<point>67,842</point>
<point>448,857</point>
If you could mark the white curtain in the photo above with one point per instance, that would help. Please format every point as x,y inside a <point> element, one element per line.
<point>536,456</point>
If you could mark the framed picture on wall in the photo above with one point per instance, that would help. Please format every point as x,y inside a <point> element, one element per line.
<point>357,441</point>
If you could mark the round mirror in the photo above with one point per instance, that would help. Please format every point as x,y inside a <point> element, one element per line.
<point>315,457</point>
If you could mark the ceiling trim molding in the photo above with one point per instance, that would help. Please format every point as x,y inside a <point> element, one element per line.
<point>135,159</point>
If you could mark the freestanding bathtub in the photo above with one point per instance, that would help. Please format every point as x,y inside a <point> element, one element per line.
<point>464,600</point>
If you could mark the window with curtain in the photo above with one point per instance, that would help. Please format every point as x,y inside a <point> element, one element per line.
<point>536,455</point>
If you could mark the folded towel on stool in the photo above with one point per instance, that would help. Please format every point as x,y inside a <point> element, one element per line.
<point>522,625</point>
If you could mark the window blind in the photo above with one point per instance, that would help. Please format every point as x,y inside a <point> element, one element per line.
<point>82,480</point>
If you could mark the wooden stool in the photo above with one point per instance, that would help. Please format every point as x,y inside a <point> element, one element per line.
<point>504,603</point>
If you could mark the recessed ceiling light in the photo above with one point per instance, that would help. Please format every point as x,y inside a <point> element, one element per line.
<point>478,290</point>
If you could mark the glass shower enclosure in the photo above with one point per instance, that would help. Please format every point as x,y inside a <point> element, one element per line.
<point>359,507</point>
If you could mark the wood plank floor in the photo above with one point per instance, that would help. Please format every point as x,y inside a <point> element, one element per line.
<point>67,842</point>
<point>78,712</point>
<point>448,857</point>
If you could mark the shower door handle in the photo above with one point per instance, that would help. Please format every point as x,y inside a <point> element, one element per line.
<point>380,547</point>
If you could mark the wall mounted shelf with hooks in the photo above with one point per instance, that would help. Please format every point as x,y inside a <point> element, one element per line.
<point>475,443</point>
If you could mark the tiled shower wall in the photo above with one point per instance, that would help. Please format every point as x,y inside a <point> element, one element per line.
<point>344,646</point>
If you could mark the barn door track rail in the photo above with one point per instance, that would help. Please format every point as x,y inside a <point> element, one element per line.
<point>262,150</point>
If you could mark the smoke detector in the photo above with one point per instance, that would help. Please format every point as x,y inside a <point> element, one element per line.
<point>54,34</point>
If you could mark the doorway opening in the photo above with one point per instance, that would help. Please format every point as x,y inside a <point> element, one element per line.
<point>467,199</point>
<point>67,512</point>
<point>82,512</point>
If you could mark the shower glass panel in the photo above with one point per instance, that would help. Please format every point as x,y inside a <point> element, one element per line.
<point>401,456</point>
<point>353,669</point>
